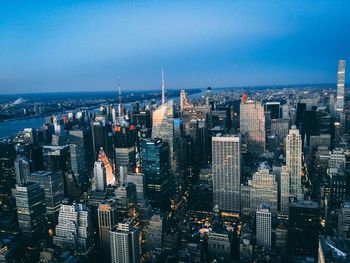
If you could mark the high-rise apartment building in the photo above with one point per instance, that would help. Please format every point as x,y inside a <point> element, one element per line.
<point>339,104</point>
<point>125,246</point>
<point>74,229</point>
<point>263,226</point>
<point>252,122</point>
<point>226,165</point>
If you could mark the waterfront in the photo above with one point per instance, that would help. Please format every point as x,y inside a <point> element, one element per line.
<point>8,128</point>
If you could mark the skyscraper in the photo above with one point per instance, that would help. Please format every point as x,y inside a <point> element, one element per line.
<point>163,88</point>
<point>184,102</point>
<point>293,161</point>
<point>22,169</point>
<point>107,219</point>
<point>102,157</point>
<point>52,183</point>
<point>99,181</point>
<point>252,122</point>
<point>125,246</point>
<point>263,226</point>
<point>163,127</point>
<point>339,104</point>
<point>31,211</point>
<point>56,158</point>
<point>344,220</point>
<point>284,192</point>
<point>303,229</point>
<point>155,166</point>
<point>226,165</point>
<point>80,156</point>
<point>263,190</point>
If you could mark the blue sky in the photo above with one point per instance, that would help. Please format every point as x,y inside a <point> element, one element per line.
<point>85,45</point>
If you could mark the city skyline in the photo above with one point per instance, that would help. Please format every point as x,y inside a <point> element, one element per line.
<point>86,46</point>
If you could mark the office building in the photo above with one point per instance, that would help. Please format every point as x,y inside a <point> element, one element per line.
<point>263,226</point>
<point>102,137</point>
<point>284,192</point>
<point>81,155</point>
<point>102,157</point>
<point>293,162</point>
<point>263,190</point>
<point>303,229</point>
<point>99,181</point>
<point>31,211</point>
<point>226,165</point>
<point>107,219</point>
<point>52,183</point>
<point>344,220</point>
<point>219,246</point>
<point>252,122</point>
<point>155,166</point>
<point>274,107</point>
<point>22,170</point>
<point>56,158</point>
<point>125,160</point>
<point>154,234</point>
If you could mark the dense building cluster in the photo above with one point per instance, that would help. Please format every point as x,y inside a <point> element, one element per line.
<point>224,176</point>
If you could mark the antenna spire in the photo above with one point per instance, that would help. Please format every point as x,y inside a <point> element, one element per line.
<point>163,89</point>
<point>120,107</point>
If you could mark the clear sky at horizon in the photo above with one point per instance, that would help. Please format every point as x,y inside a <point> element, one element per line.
<point>72,45</point>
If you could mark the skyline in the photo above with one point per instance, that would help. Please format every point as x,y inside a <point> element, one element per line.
<point>87,45</point>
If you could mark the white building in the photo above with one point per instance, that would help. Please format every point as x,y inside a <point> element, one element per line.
<point>226,166</point>
<point>263,190</point>
<point>125,246</point>
<point>339,104</point>
<point>293,161</point>
<point>74,230</point>
<point>99,180</point>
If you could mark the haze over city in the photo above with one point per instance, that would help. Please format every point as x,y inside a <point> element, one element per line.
<point>86,45</point>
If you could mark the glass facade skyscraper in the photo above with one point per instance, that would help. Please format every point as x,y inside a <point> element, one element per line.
<point>155,167</point>
<point>163,128</point>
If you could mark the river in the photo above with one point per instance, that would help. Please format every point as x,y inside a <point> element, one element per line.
<point>8,128</point>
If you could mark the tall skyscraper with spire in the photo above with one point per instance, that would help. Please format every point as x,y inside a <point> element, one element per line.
<point>339,105</point>
<point>120,105</point>
<point>163,127</point>
<point>163,88</point>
